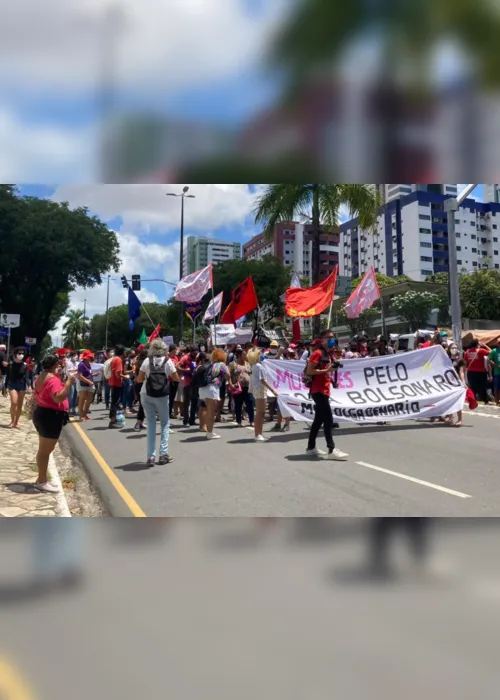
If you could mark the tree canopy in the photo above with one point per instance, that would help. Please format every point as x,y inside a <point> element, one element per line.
<point>47,251</point>
<point>479,295</point>
<point>414,308</point>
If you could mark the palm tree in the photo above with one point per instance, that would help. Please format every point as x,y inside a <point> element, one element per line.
<point>317,35</point>
<point>74,328</point>
<point>320,203</point>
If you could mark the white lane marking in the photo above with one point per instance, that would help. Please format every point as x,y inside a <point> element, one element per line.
<point>483,415</point>
<point>429,485</point>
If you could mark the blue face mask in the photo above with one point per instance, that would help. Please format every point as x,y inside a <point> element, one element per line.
<point>262,357</point>
<point>331,343</point>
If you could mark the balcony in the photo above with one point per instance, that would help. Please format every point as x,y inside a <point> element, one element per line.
<point>443,254</point>
<point>439,226</point>
<point>441,268</point>
<point>440,240</point>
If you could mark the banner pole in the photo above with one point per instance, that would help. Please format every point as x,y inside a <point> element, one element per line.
<point>194,330</point>
<point>150,319</point>
<point>330,315</point>
<point>213,300</point>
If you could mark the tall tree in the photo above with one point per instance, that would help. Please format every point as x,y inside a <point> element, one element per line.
<point>414,308</point>
<point>319,202</point>
<point>47,251</point>
<point>317,34</point>
<point>74,328</point>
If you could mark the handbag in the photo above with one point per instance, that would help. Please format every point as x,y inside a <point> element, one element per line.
<point>30,404</point>
<point>237,390</point>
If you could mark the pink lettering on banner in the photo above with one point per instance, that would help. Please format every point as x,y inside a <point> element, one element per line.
<point>294,381</point>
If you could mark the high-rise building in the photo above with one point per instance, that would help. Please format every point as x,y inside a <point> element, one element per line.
<point>292,243</point>
<point>199,252</point>
<point>492,193</point>
<point>411,238</point>
<point>391,192</point>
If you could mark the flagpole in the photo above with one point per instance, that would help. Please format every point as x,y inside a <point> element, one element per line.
<point>150,319</point>
<point>194,330</point>
<point>213,301</point>
<point>330,314</point>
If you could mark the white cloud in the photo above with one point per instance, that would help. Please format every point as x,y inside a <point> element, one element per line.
<point>43,153</point>
<point>143,207</point>
<point>60,47</point>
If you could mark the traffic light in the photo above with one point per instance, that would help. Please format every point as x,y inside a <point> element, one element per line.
<point>136,283</point>
<point>124,282</point>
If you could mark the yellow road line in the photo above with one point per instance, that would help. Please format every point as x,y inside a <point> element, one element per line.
<point>133,506</point>
<point>12,685</point>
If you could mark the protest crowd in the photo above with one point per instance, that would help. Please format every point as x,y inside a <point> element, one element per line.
<point>251,378</point>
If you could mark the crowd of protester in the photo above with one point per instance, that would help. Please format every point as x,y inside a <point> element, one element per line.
<point>202,387</point>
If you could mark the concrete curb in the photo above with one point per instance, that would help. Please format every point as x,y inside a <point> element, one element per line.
<point>111,500</point>
<point>62,503</point>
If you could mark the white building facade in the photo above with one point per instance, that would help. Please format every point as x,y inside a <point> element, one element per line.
<point>199,252</point>
<point>411,238</point>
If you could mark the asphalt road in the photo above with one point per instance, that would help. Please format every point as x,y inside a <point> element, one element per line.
<point>208,611</point>
<point>407,469</point>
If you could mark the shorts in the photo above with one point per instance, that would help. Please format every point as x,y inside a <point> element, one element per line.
<point>259,393</point>
<point>496,382</point>
<point>18,385</point>
<point>87,389</point>
<point>212,391</point>
<point>49,423</point>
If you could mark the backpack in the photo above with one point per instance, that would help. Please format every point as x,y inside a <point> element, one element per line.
<point>157,385</point>
<point>306,379</point>
<point>107,368</point>
<point>203,375</point>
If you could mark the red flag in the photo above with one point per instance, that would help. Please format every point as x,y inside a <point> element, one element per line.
<point>244,301</point>
<point>155,334</point>
<point>364,296</point>
<point>304,303</point>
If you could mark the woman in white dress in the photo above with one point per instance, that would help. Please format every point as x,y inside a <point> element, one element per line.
<point>258,388</point>
<point>210,393</point>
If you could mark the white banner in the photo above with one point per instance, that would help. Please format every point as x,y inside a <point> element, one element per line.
<point>227,334</point>
<point>420,384</point>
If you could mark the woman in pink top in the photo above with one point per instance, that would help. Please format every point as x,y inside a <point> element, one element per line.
<point>50,416</point>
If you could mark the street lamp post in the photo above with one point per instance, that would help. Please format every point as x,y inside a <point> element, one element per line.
<point>181,271</point>
<point>451,206</point>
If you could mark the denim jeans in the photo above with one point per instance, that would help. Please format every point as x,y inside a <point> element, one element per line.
<point>153,406</point>
<point>73,399</point>
<point>57,546</point>
<point>107,393</point>
<point>128,394</point>
<point>244,398</point>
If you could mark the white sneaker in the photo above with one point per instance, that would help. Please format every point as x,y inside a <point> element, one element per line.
<point>315,452</point>
<point>171,432</point>
<point>338,456</point>
<point>213,436</point>
<point>46,487</point>
<point>260,438</point>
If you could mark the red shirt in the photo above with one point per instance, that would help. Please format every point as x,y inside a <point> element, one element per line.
<point>116,372</point>
<point>474,360</point>
<point>427,344</point>
<point>174,359</point>
<point>185,363</point>
<point>45,397</point>
<point>320,382</point>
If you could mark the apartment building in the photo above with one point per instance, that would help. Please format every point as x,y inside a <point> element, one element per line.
<point>292,243</point>
<point>411,238</point>
<point>391,192</point>
<point>199,252</point>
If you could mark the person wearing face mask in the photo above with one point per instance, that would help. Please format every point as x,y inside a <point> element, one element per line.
<point>459,366</point>
<point>320,367</point>
<point>16,384</point>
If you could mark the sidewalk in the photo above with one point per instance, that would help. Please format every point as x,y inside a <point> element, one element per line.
<point>18,471</point>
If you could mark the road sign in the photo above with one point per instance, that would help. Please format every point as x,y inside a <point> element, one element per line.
<point>10,320</point>
<point>30,341</point>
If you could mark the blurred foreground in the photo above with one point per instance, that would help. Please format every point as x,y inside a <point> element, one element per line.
<point>249,608</point>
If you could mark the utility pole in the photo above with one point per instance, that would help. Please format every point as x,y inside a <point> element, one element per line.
<point>84,320</point>
<point>181,267</point>
<point>451,206</point>
<point>107,317</point>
